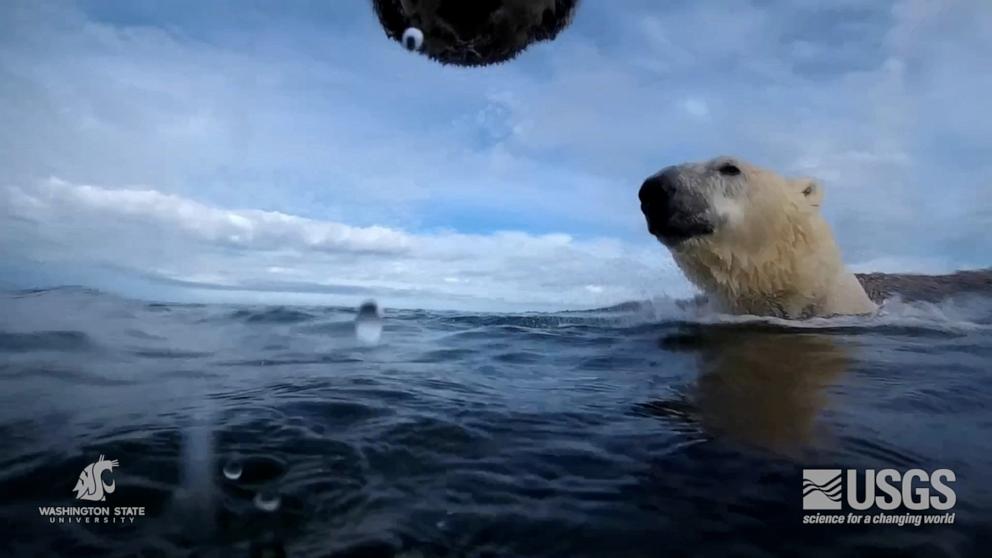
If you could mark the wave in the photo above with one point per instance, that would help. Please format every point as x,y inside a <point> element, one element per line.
<point>967,311</point>
<point>64,289</point>
<point>274,314</point>
<point>958,315</point>
<point>63,341</point>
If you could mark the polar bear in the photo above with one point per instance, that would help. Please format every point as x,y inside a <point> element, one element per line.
<point>753,241</point>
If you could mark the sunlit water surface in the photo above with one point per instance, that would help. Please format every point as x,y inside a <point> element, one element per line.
<point>274,431</point>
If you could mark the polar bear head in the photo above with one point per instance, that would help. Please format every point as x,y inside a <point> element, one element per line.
<point>724,199</point>
<point>750,237</point>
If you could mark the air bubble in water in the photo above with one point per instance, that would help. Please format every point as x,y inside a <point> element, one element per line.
<point>413,38</point>
<point>368,323</point>
<point>233,469</point>
<point>267,500</point>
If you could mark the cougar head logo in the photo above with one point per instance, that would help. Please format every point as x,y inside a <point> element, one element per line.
<point>90,485</point>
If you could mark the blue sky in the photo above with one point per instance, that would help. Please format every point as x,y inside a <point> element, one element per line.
<point>288,152</point>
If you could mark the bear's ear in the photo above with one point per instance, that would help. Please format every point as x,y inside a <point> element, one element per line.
<point>810,189</point>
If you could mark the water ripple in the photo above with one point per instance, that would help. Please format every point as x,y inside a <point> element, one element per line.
<point>65,341</point>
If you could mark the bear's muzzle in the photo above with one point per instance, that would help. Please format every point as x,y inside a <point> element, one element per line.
<point>673,213</point>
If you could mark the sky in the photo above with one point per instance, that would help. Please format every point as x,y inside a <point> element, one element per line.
<point>287,152</point>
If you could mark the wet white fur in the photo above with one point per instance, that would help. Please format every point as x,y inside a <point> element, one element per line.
<point>771,252</point>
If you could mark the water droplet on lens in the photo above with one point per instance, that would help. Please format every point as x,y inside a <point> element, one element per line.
<point>413,38</point>
<point>267,500</point>
<point>233,469</point>
<point>368,323</point>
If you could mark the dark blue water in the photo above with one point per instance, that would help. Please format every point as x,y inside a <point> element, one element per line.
<point>646,432</point>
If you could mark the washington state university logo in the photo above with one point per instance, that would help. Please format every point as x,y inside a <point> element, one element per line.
<point>821,489</point>
<point>91,485</point>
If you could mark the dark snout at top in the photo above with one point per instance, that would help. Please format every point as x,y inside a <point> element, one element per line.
<point>657,191</point>
<point>673,212</point>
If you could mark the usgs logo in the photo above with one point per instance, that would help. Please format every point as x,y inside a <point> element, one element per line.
<point>886,489</point>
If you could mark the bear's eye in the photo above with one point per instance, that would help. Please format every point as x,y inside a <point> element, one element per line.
<point>729,169</point>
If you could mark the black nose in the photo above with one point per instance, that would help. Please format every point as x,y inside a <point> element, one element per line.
<point>673,213</point>
<point>656,191</point>
<point>656,195</point>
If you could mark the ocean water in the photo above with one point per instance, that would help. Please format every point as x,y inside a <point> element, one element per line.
<point>649,431</point>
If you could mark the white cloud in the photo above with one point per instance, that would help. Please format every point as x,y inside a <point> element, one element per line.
<point>174,240</point>
<point>258,230</point>
<point>696,107</point>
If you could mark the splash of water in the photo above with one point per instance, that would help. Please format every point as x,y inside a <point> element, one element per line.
<point>954,315</point>
<point>368,323</point>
